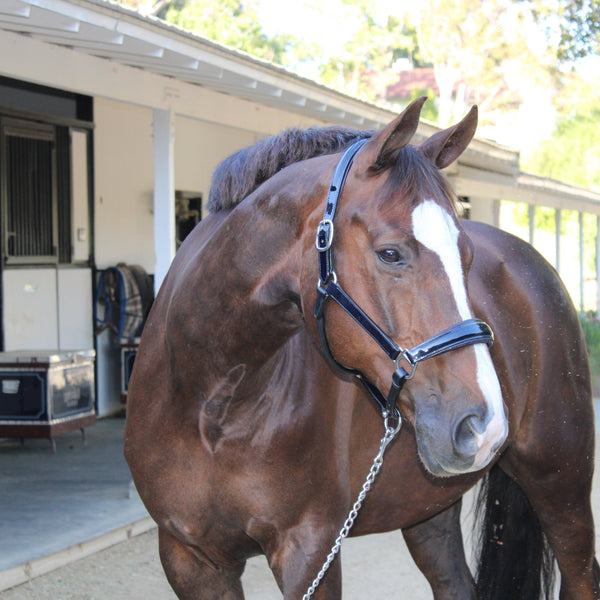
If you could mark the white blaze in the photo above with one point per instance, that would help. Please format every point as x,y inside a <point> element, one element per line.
<point>435,229</point>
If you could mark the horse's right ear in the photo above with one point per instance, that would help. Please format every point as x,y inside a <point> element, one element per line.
<point>385,145</point>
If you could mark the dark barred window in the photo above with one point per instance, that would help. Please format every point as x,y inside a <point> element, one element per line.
<point>45,175</point>
<point>30,192</point>
<point>38,198</point>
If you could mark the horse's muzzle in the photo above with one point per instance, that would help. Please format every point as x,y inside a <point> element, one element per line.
<point>471,444</point>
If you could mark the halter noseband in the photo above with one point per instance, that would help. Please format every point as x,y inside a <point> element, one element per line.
<point>466,333</point>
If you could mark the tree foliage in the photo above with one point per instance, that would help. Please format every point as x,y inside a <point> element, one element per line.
<point>363,66</point>
<point>572,154</point>
<point>472,45</point>
<point>231,22</point>
<point>573,26</point>
<point>580,29</point>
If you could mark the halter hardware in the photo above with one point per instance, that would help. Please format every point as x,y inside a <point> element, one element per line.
<point>465,333</point>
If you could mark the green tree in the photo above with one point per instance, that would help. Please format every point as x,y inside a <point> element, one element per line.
<point>231,22</point>
<point>473,45</point>
<point>572,154</point>
<point>363,67</point>
<point>573,26</point>
<point>580,29</point>
<point>234,23</point>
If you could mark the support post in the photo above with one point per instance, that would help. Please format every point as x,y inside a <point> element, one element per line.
<point>598,265</point>
<point>558,222</point>
<point>164,193</point>
<point>581,264</point>
<point>532,224</point>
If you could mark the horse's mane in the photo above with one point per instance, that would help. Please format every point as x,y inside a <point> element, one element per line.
<point>241,173</point>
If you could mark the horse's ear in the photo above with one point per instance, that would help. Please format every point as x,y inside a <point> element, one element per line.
<point>387,143</point>
<point>444,147</point>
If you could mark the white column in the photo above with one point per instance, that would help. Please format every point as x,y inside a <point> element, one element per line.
<point>581,264</point>
<point>532,224</point>
<point>597,264</point>
<point>164,193</point>
<point>558,224</point>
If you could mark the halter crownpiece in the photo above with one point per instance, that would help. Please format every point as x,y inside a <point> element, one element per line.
<point>466,333</point>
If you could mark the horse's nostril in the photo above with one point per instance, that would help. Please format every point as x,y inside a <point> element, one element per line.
<point>465,436</point>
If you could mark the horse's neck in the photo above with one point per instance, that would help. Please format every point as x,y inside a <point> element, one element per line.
<point>234,296</point>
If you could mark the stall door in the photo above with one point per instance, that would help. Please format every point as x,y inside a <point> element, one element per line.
<point>46,277</point>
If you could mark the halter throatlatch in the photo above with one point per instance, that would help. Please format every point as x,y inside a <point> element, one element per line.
<point>466,333</point>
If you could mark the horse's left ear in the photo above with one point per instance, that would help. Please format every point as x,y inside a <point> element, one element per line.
<point>444,147</point>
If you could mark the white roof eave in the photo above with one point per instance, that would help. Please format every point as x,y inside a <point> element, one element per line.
<point>105,29</point>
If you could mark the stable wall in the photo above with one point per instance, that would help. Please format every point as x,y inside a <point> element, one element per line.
<point>123,181</point>
<point>199,147</point>
<point>123,195</point>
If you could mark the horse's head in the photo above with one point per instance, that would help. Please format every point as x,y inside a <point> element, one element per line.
<point>400,253</point>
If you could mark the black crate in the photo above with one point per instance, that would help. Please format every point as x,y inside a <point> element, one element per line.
<point>42,393</point>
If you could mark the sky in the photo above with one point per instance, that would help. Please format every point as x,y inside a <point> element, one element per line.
<point>331,25</point>
<point>325,26</point>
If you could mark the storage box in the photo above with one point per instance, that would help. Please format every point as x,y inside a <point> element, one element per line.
<point>45,393</point>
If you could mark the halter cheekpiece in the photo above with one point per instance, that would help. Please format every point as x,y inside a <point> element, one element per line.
<point>465,333</point>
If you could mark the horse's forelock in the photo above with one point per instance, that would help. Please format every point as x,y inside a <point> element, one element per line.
<point>413,177</point>
<point>241,173</point>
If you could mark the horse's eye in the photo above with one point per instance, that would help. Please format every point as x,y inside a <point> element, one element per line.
<point>390,256</point>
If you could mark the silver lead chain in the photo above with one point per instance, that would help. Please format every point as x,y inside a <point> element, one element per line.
<point>390,433</point>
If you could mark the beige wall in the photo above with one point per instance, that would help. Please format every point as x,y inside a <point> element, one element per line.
<point>123,194</point>
<point>123,181</point>
<point>199,147</point>
<point>124,174</point>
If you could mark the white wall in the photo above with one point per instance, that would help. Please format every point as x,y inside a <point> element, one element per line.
<point>123,181</point>
<point>124,175</point>
<point>199,147</point>
<point>485,210</point>
<point>123,198</point>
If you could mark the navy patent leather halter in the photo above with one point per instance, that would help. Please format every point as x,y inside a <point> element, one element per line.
<point>466,333</point>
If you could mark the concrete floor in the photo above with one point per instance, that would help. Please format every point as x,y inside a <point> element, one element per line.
<point>79,502</point>
<point>51,502</point>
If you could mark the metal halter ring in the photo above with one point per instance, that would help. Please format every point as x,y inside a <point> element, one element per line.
<point>332,278</point>
<point>406,355</point>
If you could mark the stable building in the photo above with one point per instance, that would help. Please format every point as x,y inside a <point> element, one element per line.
<point>111,124</point>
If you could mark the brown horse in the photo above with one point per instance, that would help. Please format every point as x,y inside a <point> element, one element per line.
<point>243,440</point>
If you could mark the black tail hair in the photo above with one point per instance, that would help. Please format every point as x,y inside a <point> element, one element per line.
<point>515,559</point>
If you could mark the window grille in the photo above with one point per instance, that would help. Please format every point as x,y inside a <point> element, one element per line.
<point>30,198</point>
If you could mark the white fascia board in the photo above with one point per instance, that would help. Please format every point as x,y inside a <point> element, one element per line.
<point>79,11</point>
<point>44,20</point>
<point>59,67</point>
<point>534,189</point>
<point>15,8</point>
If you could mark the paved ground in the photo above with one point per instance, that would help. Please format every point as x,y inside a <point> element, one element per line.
<point>49,502</point>
<point>377,564</point>
<point>132,571</point>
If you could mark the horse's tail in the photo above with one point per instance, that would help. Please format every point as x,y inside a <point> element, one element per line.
<point>515,559</point>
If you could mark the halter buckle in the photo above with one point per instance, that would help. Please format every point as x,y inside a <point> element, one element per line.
<point>324,237</point>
